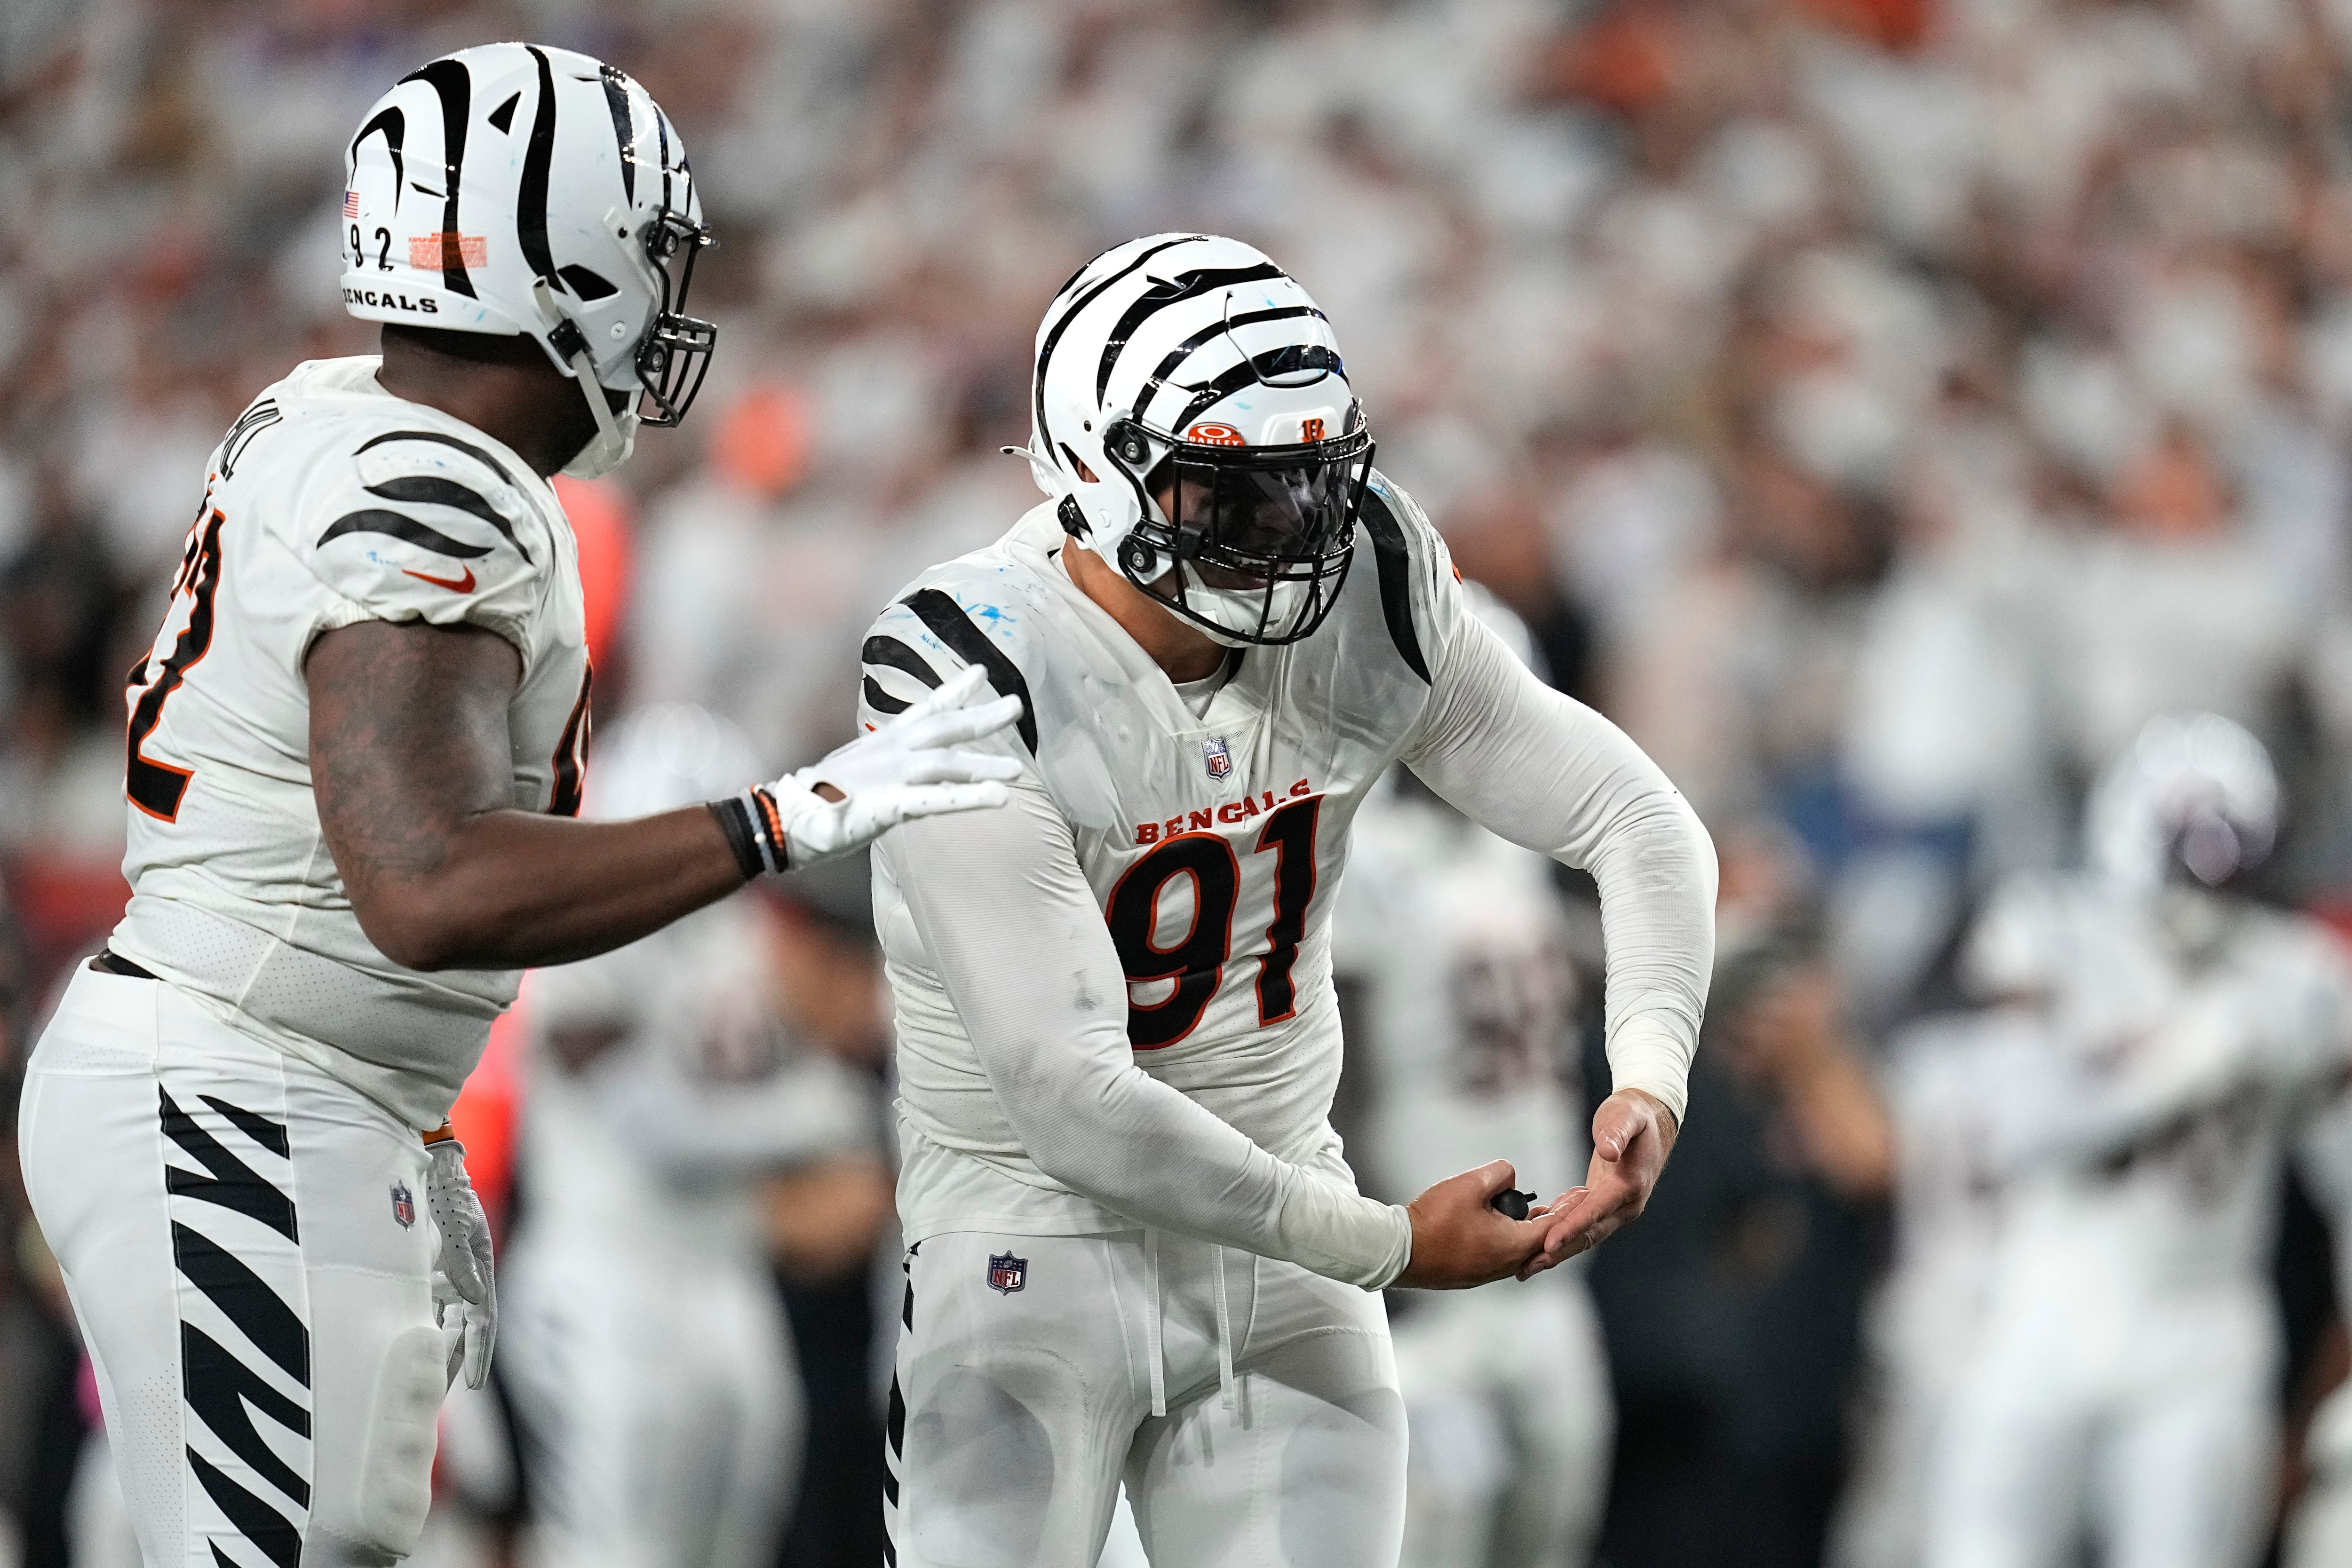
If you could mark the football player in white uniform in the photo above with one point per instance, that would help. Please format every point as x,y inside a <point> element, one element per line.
<point>1134,1249</point>
<point>2127,1380</point>
<point>2319,1535</point>
<point>353,761</point>
<point>645,1343</point>
<point>1450,947</point>
<point>1945,1080</point>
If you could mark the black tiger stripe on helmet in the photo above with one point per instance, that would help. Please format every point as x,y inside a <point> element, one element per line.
<point>1050,338</point>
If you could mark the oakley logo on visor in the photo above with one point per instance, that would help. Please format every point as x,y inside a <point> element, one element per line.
<point>1214,435</point>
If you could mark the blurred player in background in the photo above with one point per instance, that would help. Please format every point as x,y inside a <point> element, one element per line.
<point>353,758</point>
<point>1134,1250</point>
<point>2126,1384</point>
<point>1458,1000</point>
<point>647,1352</point>
<point>1945,1080</point>
<point>2319,1532</point>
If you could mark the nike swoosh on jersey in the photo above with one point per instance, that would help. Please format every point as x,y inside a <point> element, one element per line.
<point>459,584</point>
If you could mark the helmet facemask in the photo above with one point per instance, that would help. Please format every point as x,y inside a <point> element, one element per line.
<point>675,353</point>
<point>2215,845</point>
<point>1251,544</point>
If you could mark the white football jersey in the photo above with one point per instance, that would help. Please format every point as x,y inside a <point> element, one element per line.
<point>2254,1031</point>
<point>1215,842</point>
<point>331,502</point>
<point>1466,1037</point>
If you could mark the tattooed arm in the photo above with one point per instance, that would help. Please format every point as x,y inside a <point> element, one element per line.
<point>412,766</point>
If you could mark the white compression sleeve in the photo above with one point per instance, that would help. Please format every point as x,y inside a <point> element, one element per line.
<point>1017,936</point>
<point>1547,772</point>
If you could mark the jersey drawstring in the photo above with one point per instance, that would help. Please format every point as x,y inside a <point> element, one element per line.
<point>1225,1336</point>
<point>1155,1350</point>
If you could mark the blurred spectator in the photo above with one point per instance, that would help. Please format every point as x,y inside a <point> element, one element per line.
<point>1733,1308</point>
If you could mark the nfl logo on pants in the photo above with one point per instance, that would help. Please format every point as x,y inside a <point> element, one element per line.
<point>1007,1273</point>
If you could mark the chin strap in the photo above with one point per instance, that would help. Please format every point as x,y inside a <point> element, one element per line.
<point>613,440</point>
<point>1042,470</point>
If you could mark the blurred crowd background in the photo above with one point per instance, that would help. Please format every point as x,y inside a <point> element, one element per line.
<point>1879,407</point>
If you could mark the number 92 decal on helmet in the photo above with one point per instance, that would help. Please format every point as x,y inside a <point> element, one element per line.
<point>1194,416</point>
<point>513,188</point>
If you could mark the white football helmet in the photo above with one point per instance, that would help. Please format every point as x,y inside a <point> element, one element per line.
<point>2196,791</point>
<point>513,188</point>
<point>1193,417</point>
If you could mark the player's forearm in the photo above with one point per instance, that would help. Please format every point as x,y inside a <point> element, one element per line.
<point>1547,772</point>
<point>412,769</point>
<point>1656,869</point>
<point>1119,1136</point>
<point>508,890</point>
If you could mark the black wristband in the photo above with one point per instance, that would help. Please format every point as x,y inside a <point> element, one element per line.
<point>735,821</point>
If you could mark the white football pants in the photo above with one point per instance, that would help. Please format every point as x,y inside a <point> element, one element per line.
<point>1020,1405</point>
<point>2320,1533</point>
<point>1920,1335</point>
<point>2152,1427</point>
<point>248,1250</point>
<point>1507,1394</point>
<point>662,1410</point>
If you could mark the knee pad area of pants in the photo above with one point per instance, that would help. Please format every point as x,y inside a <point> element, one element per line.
<point>983,1470</point>
<point>396,1480</point>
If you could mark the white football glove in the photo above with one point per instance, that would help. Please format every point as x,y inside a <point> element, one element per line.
<point>915,766</point>
<point>462,1274</point>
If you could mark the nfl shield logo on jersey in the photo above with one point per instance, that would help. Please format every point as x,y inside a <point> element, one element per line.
<point>1220,760</point>
<point>1007,1273</point>
<point>403,1205</point>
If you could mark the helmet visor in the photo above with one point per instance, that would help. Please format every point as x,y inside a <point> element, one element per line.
<point>675,354</point>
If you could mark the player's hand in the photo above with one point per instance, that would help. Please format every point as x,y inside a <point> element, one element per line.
<point>917,765</point>
<point>1633,1134</point>
<point>1460,1240</point>
<point>462,1274</point>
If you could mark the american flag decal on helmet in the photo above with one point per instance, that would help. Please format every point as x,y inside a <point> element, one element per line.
<point>351,203</point>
